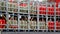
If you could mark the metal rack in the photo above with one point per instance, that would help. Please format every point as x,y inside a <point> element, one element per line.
<point>27,18</point>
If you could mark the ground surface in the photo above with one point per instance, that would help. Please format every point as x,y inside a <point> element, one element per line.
<point>30,32</point>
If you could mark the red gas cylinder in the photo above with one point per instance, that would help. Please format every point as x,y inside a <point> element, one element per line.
<point>51,25</point>
<point>57,25</point>
<point>50,11</point>
<point>57,11</point>
<point>42,10</point>
<point>57,1</point>
<point>2,23</point>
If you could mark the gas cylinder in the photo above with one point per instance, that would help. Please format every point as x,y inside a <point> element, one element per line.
<point>2,22</point>
<point>57,25</point>
<point>51,25</point>
<point>42,24</point>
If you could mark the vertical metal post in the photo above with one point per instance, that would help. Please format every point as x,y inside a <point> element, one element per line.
<point>54,16</point>
<point>47,14</point>
<point>18,16</point>
<point>7,13</point>
<point>28,15</point>
<point>38,15</point>
<point>13,19</point>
